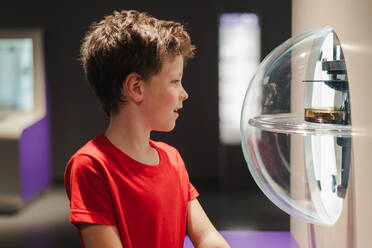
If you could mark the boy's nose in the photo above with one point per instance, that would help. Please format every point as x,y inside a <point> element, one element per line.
<point>184,94</point>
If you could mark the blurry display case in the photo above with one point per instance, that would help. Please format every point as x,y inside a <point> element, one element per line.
<point>24,119</point>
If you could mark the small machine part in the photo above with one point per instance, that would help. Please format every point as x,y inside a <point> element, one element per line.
<point>336,69</point>
<point>326,115</point>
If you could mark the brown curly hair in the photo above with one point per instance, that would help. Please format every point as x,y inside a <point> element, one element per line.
<point>125,42</point>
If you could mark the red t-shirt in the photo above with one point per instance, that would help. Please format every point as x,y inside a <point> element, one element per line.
<point>148,204</point>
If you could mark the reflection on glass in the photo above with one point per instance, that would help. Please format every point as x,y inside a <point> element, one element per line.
<point>16,74</point>
<point>324,175</point>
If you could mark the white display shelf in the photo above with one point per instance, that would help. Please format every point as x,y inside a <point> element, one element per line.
<point>292,123</point>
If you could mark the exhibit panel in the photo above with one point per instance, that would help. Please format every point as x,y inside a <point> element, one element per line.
<point>24,119</point>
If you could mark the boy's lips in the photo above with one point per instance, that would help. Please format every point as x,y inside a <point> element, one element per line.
<point>177,109</point>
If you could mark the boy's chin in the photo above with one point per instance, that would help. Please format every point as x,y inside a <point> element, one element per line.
<point>165,129</point>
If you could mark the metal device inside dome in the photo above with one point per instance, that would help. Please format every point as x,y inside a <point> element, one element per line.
<point>327,93</point>
<point>327,101</point>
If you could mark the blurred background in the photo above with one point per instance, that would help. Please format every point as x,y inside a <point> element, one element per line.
<point>217,168</point>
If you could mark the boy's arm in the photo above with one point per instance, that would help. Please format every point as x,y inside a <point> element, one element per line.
<point>98,236</point>
<point>201,231</point>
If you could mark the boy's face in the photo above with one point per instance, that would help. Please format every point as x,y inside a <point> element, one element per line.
<point>164,95</point>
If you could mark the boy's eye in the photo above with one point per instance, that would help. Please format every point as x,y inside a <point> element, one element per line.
<point>176,81</point>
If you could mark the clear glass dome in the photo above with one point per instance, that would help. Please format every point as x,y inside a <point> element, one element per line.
<point>296,127</point>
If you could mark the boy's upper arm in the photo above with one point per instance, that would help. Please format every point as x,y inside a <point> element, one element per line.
<point>97,236</point>
<point>201,231</point>
<point>89,196</point>
<point>198,223</point>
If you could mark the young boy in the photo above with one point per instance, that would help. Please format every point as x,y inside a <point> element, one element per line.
<point>126,190</point>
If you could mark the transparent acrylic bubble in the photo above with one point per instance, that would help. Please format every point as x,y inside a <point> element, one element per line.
<point>301,166</point>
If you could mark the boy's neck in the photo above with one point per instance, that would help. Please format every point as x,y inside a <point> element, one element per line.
<point>132,137</point>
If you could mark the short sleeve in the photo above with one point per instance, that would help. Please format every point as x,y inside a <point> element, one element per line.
<point>193,193</point>
<point>88,192</point>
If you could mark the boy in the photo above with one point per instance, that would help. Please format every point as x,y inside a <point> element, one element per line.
<point>126,190</point>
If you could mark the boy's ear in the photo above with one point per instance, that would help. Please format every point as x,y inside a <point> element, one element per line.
<point>133,87</point>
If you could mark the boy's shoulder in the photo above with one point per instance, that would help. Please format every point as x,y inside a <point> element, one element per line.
<point>94,149</point>
<point>164,146</point>
<point>168,149</point>
<point>171,152</point>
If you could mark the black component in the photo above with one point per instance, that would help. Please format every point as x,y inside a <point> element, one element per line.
<point>344,142</point>
<point>319,185</point>
<point>334,183</point>
<point>341,191</point>
<point>346,107</point>
<point>334,84</point>
<point>345,165</point>
<point>334,66</point>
